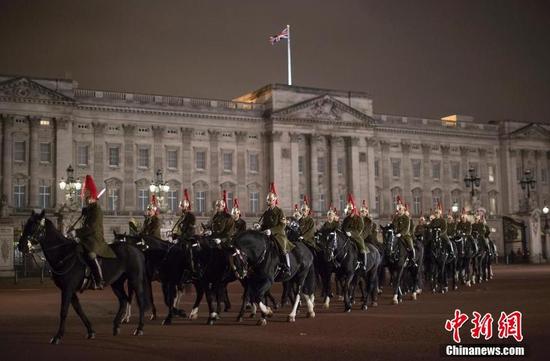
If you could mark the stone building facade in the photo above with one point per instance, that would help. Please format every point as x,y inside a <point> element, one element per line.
<point>316,142</point>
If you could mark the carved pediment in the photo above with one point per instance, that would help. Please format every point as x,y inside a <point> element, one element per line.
<point>531,131</point>
<point>323,108</point>
<point>25,88</point>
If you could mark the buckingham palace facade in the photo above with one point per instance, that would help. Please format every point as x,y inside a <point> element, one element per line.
<point>316,142</point>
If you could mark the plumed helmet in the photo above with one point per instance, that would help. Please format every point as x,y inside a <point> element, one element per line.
<point>297,213</point>
<point>305,207</point>
<point>89,185</point>
<point>364,208</point>
<point>272,194</point>
<point>350,206</point>
<point>153,205</point>
<point>235,210</point>
<point>223,201</point>
<point>399,203</point>
<point>185,203</point>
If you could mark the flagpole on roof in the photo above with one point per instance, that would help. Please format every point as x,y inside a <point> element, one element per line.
<point>289,62</point>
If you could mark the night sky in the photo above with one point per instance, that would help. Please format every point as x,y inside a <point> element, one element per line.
<point>485,58</point>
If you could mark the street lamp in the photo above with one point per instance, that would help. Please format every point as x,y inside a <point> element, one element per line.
<point>472,181</point>
<point>454,207</point>
<point>70,186</point>
<point>545,211</point>
<point>527,182</point>
<point>159,187</point>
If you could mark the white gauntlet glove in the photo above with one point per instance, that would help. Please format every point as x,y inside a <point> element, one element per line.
<point>256,226</point>
<point>398,235</point>
<point>208,232</point>
<point>217,240</point>
<point>348,234</point>
<point>267,232</point>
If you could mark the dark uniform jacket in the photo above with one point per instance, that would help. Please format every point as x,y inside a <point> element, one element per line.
<point>151,227</point>
<point>402,224</point>
<point>91,232</point>
<point>223,226</point>
<point>479,228</point>
<point>354,225</point>
<point>273,219</point>
<point>329,227</point>
<point>369,230</point>
<point>307,230</point>
<point>451,229</point>
<point>240,226</point>
<point>465,227</point>
<point>185,226</point>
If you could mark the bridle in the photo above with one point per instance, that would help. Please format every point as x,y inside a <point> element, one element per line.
<point>333,246</point>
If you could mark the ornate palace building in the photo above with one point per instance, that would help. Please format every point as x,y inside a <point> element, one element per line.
<point>317,142</point>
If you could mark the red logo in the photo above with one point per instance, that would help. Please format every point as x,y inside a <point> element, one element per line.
<point>509,325</point>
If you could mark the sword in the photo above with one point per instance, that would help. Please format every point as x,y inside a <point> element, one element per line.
<point>82,215</point>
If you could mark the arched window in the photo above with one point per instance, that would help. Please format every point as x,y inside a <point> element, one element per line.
<point>493,209</point>
<point>142,190</point>
<point>416,201</point>
<point>20,191</point>
<point>200,193</point>
<point>254,196</point>
<point>436,198</point>
<point>113,196</point>
<point>173,196</point>
<point>231,189</point>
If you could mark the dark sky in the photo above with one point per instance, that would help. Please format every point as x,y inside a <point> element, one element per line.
<point>486,58</point>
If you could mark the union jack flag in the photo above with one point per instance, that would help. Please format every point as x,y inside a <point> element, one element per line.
<point>277,38</point>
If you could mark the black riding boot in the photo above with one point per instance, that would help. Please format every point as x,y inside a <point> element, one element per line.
<point>97,275</point>
<point>363,262</point>
<point>285,264</point>
<point>412,256</point>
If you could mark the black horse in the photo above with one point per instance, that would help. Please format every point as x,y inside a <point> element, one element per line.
<point>255,251</point>
<point>397,259</point>
<point>442,261</point>
<point>166,262</point>
<point>69,272</point>
<point>466,249</point>
<point>341,257</point>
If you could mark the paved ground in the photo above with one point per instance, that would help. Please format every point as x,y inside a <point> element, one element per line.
<point>412,330</point>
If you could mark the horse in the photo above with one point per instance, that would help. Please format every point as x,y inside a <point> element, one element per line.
<point>69,272</point>
<point>465,251</point>
<point>166,261</point>
<point>341,257</point>
<point>255,251</point>
<point>398,261</point>
<point>480,259</point>
<point>442,260</point>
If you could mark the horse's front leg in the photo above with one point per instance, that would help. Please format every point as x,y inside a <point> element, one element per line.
<point>397,294</point>
<point>211,291</point>
<point>66,296</point>
<point>169,293</point>
<point>265,310</point>
<point>245,297</point>
<point>80,312</point>
<point>199,291</point>
<point>346,290</point>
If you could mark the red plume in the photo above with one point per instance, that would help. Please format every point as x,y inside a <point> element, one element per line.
<point>305,200</point>
<point>272,190</point>
<point>225,200</point>
<point>398,200</point>
<point>235,203</point>
<point>350,200</point>
<point>186,197</point>
<point>90,186</point>
<point>439,206</point>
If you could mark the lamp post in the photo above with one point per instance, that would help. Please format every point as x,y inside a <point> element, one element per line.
<point>472,181</point>
<point>545,248</point>
<point>527,183</point>
<point>71,186</point>
<point>159,187</point>
<point>454,208</point>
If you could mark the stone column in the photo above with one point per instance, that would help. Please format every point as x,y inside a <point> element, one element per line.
<point>99,154</point>
<point>446,176</point>
<point>187,158</point>
<point>335,142</point>
<point>427,179</point>
<point>294,176</point>
<point>62,154</point>
<point>384,169</point>
<point>241,166</point>
<point>158,151</point>
<point>371,199</point>
<point>215,190</point>
<point>129,185</point>
<point>406,173</point>
<point>33,161</point>
<point>354,178</point>
<point>314,172</point>
<point>7,158</point>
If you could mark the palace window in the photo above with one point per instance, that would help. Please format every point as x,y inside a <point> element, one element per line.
<point>19,151</point>
<point>436,170</point>
<point>227,161</point>
<point>417,201</point>
<point>455,170</point>
<point>200,201</point>
<point>340,166</point>
<point>200,160</point>
<point>396,168</point>
<point>322,203</point>
<point>172,198</point>
<point>143,199</point>
<point>143,157</point>
<point>113,196</point>
<point>45,152</point>
<point>301,164</point>
<point>172,159</point>
<point>82,155</point>
<point>416,168</point>
<point>253,162</point>
<point>377,168</point>
<point>114,156</point>
<point>491,173</point>
<point>44,195</point>
<point>19,195</point>
<point>321,165</point>
<point>254,202</point>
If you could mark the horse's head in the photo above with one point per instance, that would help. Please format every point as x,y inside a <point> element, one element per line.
<point>238,262</point>
<point>328,244</point>
<point>33,231</point>
<point>293,230</point>
<point>388,238</point>
<point>436,240</point>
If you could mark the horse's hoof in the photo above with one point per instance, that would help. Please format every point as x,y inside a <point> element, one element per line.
<point>379,291</point>
<point>138,332</point>
<point>269,312</point>
<point>193,316</point>
<point>291,318</point>
<point>418,291</point>
<point>326,306</point>
<point>152,317</point>
<point>55,340</point>
<point>414,297</point>
<point>262,322</point>
<point>347,309</point>
<point>211,321</point>
<point>90,336</point>
<point>240,319</point>
<point>310,314</point>
<point>400,300</point>
<point>394,302</point>
<point>167,322</point>
<point>248,306</point>
<point>276,306</point>
<point>116,331</point>
<point>374,304</point>
<point>455,288</point>
<point>364,308</point>
<point>252,315</point>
